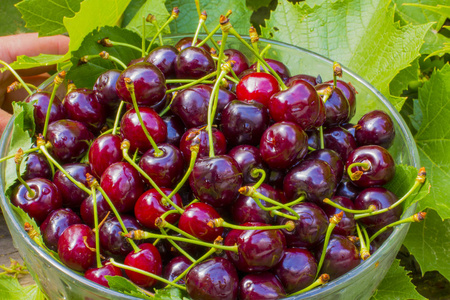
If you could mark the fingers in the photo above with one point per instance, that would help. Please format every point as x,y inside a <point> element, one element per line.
<point>4,119</point>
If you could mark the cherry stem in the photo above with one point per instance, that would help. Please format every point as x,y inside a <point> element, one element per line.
<point>365,165</point>
<point>366,237</point>
<point>201,20</point>
<point>371,208</point>
<point>337,72</point>
<point>205,28</point>
<point>232,79</point>
<point>56,83</point>
<point>420,179</point>
<point>322,142</point>
<point>97,234</point>
<point>420,216</point>
<point>289,204</point>
<point>191,83</point>
<point>25,86</point>
<point>167,108</point>
<point>18,160</point>
<point>334,220</point>
<point>320,281</point>
<point>17,85</point>
<point>289,225</point>
<point>172,17</point>
<point>263,52</point>
<point>311,149</point>
<point>364,253</point>
<point>188,80</point>
<point>104,55</point>
<point>161,223</point>
<point>130,87</point>
<point>142,235</point>
<point>176,246</point>
<point>14,155</point>
<point>255,172</point>
<point>194,153</point>
<point>106,42</point>
<point>117,119</point>
<point>145,273</point>
<point>152,19</point>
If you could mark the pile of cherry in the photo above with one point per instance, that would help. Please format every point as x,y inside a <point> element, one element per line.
<point>226,180</point>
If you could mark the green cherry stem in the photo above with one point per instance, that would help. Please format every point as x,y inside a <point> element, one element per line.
<point>176,246</point>
<point>196,262</point>
<point>117,119</point>
<point>201,20</point>
<point>18,160</point>
<point>371,208</point>
<point>89,179</point>
<point>194,153</point>
<point>145,273</point>
<point>190,80</point>
<point>254,38</point>
<point>311,149</point>
<point>365,166</point>
<point>420,216</point>
<point>255,173</point>
<point>205,28</point>
<point>106,42</point>
<point>152,19</point>
<point>326,95</point>
<point>337,72</point>
<point>322,142</point>
<point>161,223</point>
<point>420,179</point>
<point>366,237</point>
<point>334,220</point>
<point>167,108</point>
<point>191,83</point>
<point>16,85</point>
<point>289,204</point>
<point>219,222</point>
<point>56,83</point>
<point>320,281</point>
<point>25,86</point>
<point>14,155</point>
<point>364,253</point>
<point>233,79</point>
<point>172,17</point>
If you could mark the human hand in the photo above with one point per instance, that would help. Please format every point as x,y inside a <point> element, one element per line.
<point>31,45</point>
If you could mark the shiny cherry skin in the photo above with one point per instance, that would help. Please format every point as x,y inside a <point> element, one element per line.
<point>337,107</point>
<point>175,129</point>
<point>104,151</point>
<point>164,58</point>
<point>112,243</point>
<point>341,256</point>
<point>278,67</point>
<point>261,286</point>
<point>123,184</point>
<point>46,198</point>
<point>275,178</point>
<point>165,169</point>
<point>97,275</point>
<point>332,158</point>
<point>299,103</point>
<point>308,78</point>
<point>187,42</point>
<point>248,157</point>
<point>214,279</point>
<point>296,269</point>
<point>349,92</point>
<point>283,144</point>
<point>37,166</point>
<point>347,225</point>
<point>216,180</point>
<point>131,129</point>
<point>192,249</point>
<point>350,128</point>
<point>310,229</point>
<point>199,136</point>
<point>72,195</point>
<point>257,86</point>
<point>150,207</point>
<point>347,189</point>
<point>70,140</point>
<point>240,61</point>
<point>149,84</point>
<point>381,165</point>
<point>244,122</point>
<point>313,138</point>
<point>313,177</point>
<point>149,260</point>
<point>105,90</point>
<point>195,220</point>
<point>175,267</point>
<point>375,128</point>
<point>83,105</point>
<point>40,102</point>
<point>87,209</point>
<point>193,62</point>
<point>54,225</point>
<point>381,198</point>
<point>74,247</point>
<point>339,140</point>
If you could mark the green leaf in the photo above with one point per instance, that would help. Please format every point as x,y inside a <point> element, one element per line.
<point>417,15</point>
<point>154,7</point>
<point>123,285</point>
<point>46,16</point>
<point>429,242</point>
<point>11,289</point>
<point>404,77</point>
<point>445,49</point>
<point>434,41</point>
<point>131,11</point>
<point>26,62</point>
<point>442,10</point>
<point>10,19</point>
<point>85,75</point>
<point>93,14</point>
<point>433,139</point>
<point>367,40</point>
<point>188,19</point>
<point>396,285</point>
<point>256,4</point>
<point>171,293</point>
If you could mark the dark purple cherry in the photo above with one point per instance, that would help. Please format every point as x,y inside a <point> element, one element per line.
<point>347,189</point>
<point>104,151</point>
<point>176,267</point>
<point>314,178</point>
<point>347,225</point>
<point>187,42</point>
<point>192,249</point>
<point>313,138</point>
<point>349,92</point>
<point>135,61</point>
<point>46,198</point>
<point>248,157</point>
<point>97,275</point>
<point>283,144</point>
<point>194,62</point>
<point>214,279</point>
<point>131,128</point>
<point>123,184</point>
<point>261,286</point>
<point>40,102</point>
<point>296,270</point>
<point>199,136</point>
<point>240,61</point>
<point>87,209</point>
<point>72,195</point>
<point>341,256</point>
<point>54,225</point>
<point>350,128</point>
<point>105,89</point>
<point>149,260</point>
<point>337,107</point>
<point>381,165</point>
<point>164,58</point>
<point>70,140</point>
<point>216,180</point>
<point>278,67</point>
<point>149,84</point>
<point>375,128</point>
<point>175,129</point>
<point>308,78</point>
<point>332,158</point>
<point>275,178</point>
<point>339,140</point>
<point>195,220</point>
<point>37,166</point>
<point>76,247</point>
<point>257,86</point>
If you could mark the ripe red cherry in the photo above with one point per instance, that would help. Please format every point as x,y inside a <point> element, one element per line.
<point>339,140</point>
<point>375,128</point>
<point>55,224</point>
<point>258,87</point>
<point>149,260</point>
<point>87,209</point>
<point>104,151</point>
<point>105,90</point>
<point>195,220</point>
<point>40,102</point>
<point>97,275</point>
<point>199,136</point>
<point>247,157</point>
<point>175,267</point>
<point>278,67</point>
<point>187,42</point>
<point>308,78</point>
<point>347,225</point>
<point>337,107</point>
<point>164,58</point>
<point>349,92</point>
<point>261,286</point>
<point>72,195</point>
<point>193,62</point>
<point>37,166</point>
<point>240,60</point>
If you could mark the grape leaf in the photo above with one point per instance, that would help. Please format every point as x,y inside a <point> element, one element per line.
<point>154,7</point>
<point>417,15</point>
<point>404,77</point>
<point>396,285</point>
<point>256,4</point>
<point>131,11</point>
<point>434,40</point>
<point>429,242</point>
<point>10,19</point>
<point>27,62</point>
<point>188,19</point>
<point>11,289</point>
<point>359,34</point>
<point>171,293</point>
<point>85,75</point>
<point>445,49</point>
<point>442,10</point>
<point>46,16</point>
<point>433,139</point>
<point>123,285</point>
<point>93,14</point>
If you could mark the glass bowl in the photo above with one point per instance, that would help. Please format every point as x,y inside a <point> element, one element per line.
<point>59,282</point>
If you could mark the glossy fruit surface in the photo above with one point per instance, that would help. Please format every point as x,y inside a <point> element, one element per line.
<point>40,102</point>
<point>261,286</point>
<point>199,136</point>
<point>105,90</point>
<point>37,166</point>
<point>87,209</point>
<point>75,247</point>
<point>278,67</point>
<point>193,62</point>
<point>164,58</point>
<point>349,93</point>
<point>98,274</point>
<point>337,107</point>
<point>347,225</point>
<point>55,224</point>
<point>149,260</point>
<point>258,87</point>
<point>175,267</point>
<point>194,221</point>
<point>240,61</point>
<point>375,128</point>
<point>72,195</point>
<point>248,157</point>
<point>175,129</point>
<point>104,151</point>
<point>339,140</point>
<point>332,158</point>
<point>187,42</point>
